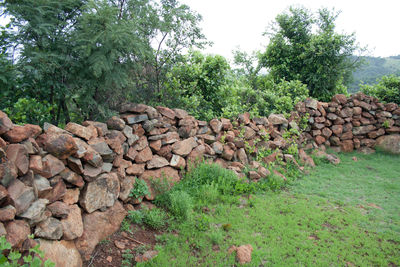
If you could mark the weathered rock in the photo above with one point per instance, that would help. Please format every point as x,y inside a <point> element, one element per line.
<point>35,164</point>
<point>126,186</point>
<point>167,112</point>
<point>144,156</point>
<point>101,193</point>
<point>72,225</point>
<point>216,125</point>
<point>17,232</point>
<point>183,148</point>
<point>363,129</point>
<point>7,213</point>
<point>177,162</point>
<point>20,133</point>
<point>389,143</point>
<point>306,159</point>
<point>59,209</point>
<point>60,145</point>
<point>17,154</point>
<point>72,177</point>
<point>98,226</point>
<point>115,123</point>
<point>132,119</point>
<point>31,146</point>
<point>58,191</point>
<point>157,162</point>
<point>21,196</point>
<point>90,173</point>
<point>79,130</point>
<point>347,146</point>
<point>135,169</point>
<point>340,99</point>
<point>50,228</point>
<point>63,253</point>
<point>228,152</point>
<point>8,172</point>
<point>35,211</point>
<point>3,231</point>
<point>5,123</point>
<point>51,166</point>
<point>337,129</point>
<point>141,144</point>
<point>75,165</point>
<point>71,196</point>
<point>277,119</point>
<point>101,127</point>
<point>311,103</point>
<point>242,156</point>
<point>3,193</point>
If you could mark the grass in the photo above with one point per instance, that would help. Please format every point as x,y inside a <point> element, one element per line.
<point>345,215</point>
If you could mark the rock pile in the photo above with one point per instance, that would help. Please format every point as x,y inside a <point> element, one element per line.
<point>345,124</point>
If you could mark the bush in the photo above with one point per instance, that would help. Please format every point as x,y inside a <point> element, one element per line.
<point>30,110</point>
<point>180,205</point>
<point>155,218</point>
<point>135,216</point>
<point>140,189</point>
<point>387,89</point>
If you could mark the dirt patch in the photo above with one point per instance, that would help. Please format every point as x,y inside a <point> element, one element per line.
<point>109,252</point>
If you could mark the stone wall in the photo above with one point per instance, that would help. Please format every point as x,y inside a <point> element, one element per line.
<point>358,122</point>
<point>70,187</point>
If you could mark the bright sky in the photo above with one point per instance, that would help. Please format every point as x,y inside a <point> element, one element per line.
<point>233,23</point>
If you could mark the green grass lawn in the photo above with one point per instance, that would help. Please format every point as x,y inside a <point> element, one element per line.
<point>345,215</point>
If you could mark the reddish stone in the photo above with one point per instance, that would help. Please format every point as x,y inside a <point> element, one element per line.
<point>5,123</point>
<point>71,196</point>
<point>340,99</point>
<point>368,142</point>
<point>8,172</point>
<point>166,152</point>
<point>180,113</point>
<point>305,159</point>
<point>357,143</point>
<point>319,139</point>
<point>157,162</point>
<point>141,144</point>
<point>155,145</point>
<point>144,155</point>
<point>183,148</point>
<point>357,111</point>
<point>346,136</point>
<point>167,112</point>
<point>79,130</point>
<point>51,166</point>
<point>17,154</point>
<point>375,134</point>
<point>177,162</point>
<point>132,153</point>
<point>17,232</point>
<point>244,118</point>
<point>347,146</point>
<point>116,123</point>
<point>7,213</point>
<point>20,133</point>
<point>228,152</point>
<point>75,165</point>
<point>326,132</point>
<point>216,125</point>
<point>337,129</point>
<point>58,192</point>
<point>21,196</point>
<point>35,164</point>
<point>393,129</point>
<point>61,146</point>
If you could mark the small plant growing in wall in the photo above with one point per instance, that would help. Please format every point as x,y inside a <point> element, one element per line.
<point>386,124</point>
<point>140,189</point>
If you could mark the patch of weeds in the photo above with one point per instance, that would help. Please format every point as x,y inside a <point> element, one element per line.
<point>135,216</point>
<point>202,222</point>
<point>140,189</point>
<point>216,237</point>
<point>127,258</point>
<point>155,218</point>
<point>126,226</point>
<point>180,205</point>
<point>104,242</point>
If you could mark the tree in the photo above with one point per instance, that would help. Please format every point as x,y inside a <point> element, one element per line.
<point>306,47</point>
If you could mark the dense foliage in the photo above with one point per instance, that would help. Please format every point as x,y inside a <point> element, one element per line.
<point>307,48</point>
<point>75,60</point>
<point>387,89</point>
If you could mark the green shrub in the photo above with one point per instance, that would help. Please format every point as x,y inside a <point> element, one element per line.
<point>155,218</point>
<point>30,110</point>
<point>387,89</point>
<point>135,216</point>
<point>180,205</point>
<point>33,259</point>
<point>140,189</point>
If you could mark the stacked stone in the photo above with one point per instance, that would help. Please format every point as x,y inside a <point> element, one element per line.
<point>72,184</point>
<point>358,122</point>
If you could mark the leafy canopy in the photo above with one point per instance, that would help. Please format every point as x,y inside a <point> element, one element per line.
<point>306,47</point>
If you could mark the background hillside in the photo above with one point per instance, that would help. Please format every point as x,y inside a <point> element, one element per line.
<point>374,68</point>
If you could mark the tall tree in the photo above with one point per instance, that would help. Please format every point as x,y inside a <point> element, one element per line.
<point>306,47</point>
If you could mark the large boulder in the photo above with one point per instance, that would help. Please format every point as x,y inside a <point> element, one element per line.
<point>72,225</point>
<point>389,143</point>
<point>101,193</point>
<point>62,253</point>
<point>60,145</point>
<point>21,133</point>
<point>98,226</point>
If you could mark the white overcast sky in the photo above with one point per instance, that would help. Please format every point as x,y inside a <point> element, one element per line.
<point>233,23</point>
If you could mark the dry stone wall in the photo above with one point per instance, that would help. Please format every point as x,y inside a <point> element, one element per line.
<point>71,187</point>
<point>347,123</point>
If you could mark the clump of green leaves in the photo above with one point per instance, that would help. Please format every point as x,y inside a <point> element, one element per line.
<point>140,189</point>
<point>136,216</point>
<point>386,124</point>
<point>127,258</point>
<point>33,259</point>
<point>387,89</point>
<point>155,218</point>
<point>180,205</point>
